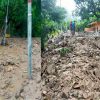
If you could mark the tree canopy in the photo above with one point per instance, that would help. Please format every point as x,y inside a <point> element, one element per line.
<point>52,18</point>
<point>88,8</point>
<point>18,16</point>
<point>89,11</point>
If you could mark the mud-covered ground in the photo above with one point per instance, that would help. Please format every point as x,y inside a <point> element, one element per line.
<point>14,82</point>
<point>74,76</point>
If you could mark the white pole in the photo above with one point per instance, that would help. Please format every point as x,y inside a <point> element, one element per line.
<point>30,38</point>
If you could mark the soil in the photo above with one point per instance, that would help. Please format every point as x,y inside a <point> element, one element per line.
<point>14,81</point>
<point>76,74</point>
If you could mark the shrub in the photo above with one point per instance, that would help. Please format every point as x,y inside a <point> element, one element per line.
<point>64,51</point>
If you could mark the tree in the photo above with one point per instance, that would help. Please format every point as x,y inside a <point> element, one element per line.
<point>52,17</point>
<point>36,11</point>
<point>18,16</point>
<point>58,14</point>
<point>88,8</point>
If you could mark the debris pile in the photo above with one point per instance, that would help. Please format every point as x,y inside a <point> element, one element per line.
<point>74,76</point>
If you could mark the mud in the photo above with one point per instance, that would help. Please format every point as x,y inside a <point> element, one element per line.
<point>14,81</point>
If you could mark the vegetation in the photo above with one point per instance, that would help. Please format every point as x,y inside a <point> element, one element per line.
<point>89,11</point>
<point>88,8</point>
<point>18,16</point>
<point>48,19</point>
<point>52,19</point>
<point>64,51</point>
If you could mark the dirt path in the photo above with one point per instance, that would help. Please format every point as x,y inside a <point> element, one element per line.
<point>76,75</point>
<point>14,83</point>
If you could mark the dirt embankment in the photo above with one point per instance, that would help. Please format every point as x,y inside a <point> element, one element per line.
<point>76,75</point>
<point>14,82</point>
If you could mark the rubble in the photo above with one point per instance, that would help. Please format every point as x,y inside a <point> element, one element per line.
<point>75,76</point>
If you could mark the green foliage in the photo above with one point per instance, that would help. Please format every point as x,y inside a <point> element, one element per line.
<point>48,26</point>
<point>36,6</point>
<point>80,25</point>
<point>88,8</point>
<point>64,26</point>
<point>52,18</point>
<point>58,14</point>
<point>18,16</point>
<point>89,11</point>
<point>64,51</point>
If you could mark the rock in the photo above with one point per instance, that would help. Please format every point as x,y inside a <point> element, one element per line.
<point>64,95</point>
<point>97,57</point>
<point>57,50</point>
<point>51,69</point>
<point>76,86</point>
<point>10,68</point>
<point>44,92</point>
<point>50,41</point>
<point>97,73</point>
<point>5,84</point>
<point>66,73</point>
<point>22,95</point>
<point>54,58</point>
<point>19,92</point>
<point>48,97</point>
<point>85,95</point>
<point>65,92</point>
<point>7,96</point>
<point>25,83</point>
<point>1,68</point>
<point>74,94</point>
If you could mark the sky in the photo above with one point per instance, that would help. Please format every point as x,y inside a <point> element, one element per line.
<point>69,5</point>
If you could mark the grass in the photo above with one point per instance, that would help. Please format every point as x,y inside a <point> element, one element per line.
<point>65,51</point>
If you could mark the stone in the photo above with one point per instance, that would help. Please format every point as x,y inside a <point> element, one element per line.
<point>51,69</point>
<point>44,92</point>
<point>10,68</point>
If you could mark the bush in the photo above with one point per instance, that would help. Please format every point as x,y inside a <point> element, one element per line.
<point>64,51</point>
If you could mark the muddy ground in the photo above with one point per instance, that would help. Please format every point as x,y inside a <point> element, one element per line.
<point>14,82</point>
<point>76,74</point>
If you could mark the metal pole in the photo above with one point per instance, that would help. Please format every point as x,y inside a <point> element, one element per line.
<point>29,38</point>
